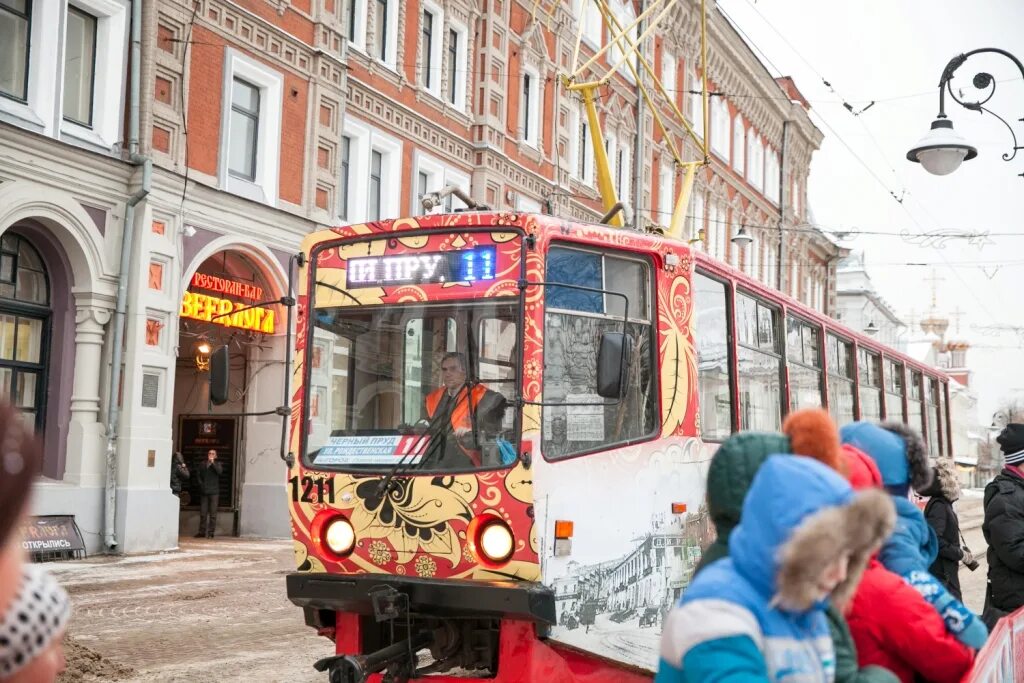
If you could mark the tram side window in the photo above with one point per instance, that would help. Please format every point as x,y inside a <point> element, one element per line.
<point>942,419</point>
<point>712,337</point>
<point>759,357</point>
<point>803,357</point>
<point>915,402</point>
<point>574,322</point>
<point>840,380</point>
<point>869,370</point>
<point>931,391</point>
<point>894,384</point>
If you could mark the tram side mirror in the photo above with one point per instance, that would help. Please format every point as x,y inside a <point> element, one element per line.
<point>613,360</point>
<point>219,376</point>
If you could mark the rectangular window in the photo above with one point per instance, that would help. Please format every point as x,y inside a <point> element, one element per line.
<point>934,419</point>
<point>376,163</point>
<point>668,72</point>
<point>530,109</point>
<point>666,195</point>
<point>840,380</point>
<point>381,32</point>
<point>739,144</point>
<point>770,275</point>
<point>79,66</point>
<point>427,49</point>
<point>583,172</point>
<point>421,185</point>
<point>697,107</point>
<point>759,359</point>
<point>712,339</point>
<point>869,372</point>
<point>574,322</point>
<point>915,403</point>
<point>721,127</point>
<point>803,349</point>
<point>244,130</point>
<point>15,32</point>
<point>894,389</point>
<point>453,62</point>
<point>343,182</point>
<point>350,20</point>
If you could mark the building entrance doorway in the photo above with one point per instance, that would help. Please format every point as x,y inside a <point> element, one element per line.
<point>224,304</point>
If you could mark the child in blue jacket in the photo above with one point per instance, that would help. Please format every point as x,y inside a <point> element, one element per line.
<point>759,614</point>
<point>902,460</point>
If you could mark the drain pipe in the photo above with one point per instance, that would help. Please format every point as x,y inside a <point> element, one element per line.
<point>127,239</point>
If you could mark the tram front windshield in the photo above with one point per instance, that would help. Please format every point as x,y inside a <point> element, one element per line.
<point>424,387</point>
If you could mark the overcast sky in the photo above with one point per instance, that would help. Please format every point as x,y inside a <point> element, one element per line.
<point>893,52</point>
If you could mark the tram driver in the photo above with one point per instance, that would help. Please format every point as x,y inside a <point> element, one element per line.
<point>464,418</point>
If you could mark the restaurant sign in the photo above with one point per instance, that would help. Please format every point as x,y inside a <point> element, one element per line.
<point>213,309</point>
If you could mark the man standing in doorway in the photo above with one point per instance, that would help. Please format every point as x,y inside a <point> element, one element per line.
<point>209,490</point>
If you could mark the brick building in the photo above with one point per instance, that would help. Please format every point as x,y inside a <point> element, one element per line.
<point>178,150</point>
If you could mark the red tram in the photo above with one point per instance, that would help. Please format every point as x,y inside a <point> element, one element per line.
<point>503,423</point>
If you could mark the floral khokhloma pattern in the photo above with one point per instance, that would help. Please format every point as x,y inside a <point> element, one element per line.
<point>419,526</point>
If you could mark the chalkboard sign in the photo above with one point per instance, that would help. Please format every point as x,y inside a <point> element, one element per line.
<point>196,436</point>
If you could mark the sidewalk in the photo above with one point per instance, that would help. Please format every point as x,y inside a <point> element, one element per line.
<point>215,610</point>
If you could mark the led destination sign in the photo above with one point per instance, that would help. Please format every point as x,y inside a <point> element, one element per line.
<point>467,265</point>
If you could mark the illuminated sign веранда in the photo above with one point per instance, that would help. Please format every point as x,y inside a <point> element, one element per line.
<point>466,265</point>
<point>203,306</point>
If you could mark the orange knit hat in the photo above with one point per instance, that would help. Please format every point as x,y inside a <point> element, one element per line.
<point>812,433</point>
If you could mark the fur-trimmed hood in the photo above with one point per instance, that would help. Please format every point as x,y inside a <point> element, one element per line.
<point>945,483</point>
<point>798,516</point>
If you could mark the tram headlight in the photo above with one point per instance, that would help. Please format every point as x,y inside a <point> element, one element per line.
<point>339,536</point>
<point>493,542</point>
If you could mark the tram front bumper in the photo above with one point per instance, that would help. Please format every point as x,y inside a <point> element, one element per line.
<point>429,597</point>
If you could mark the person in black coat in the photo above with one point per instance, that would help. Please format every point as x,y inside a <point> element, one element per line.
<point>208,474</point>
<point>943,491</point>
<point>179,473</point>
<point>1004,526</point>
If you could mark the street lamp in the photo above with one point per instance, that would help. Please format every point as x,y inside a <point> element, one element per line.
<point>741,238</point>
<point>942,150</point>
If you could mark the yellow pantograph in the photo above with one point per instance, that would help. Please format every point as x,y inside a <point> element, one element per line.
<point>628,54</point>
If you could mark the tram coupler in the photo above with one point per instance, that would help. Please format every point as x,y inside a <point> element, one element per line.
<point>398,659</point>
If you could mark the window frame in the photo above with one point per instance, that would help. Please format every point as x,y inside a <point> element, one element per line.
<point>669,71</point>
<point>27,60</point>
<point>431,61</point>
<point>44,313</point>
<point>697,107</point>
<point>647,263</point>
<point>92,72</point>
<point>739,144</point>
<point>821,369</point>
<point>779,353</point>
<point>529,111</point>
<point>365,138</point>
<point>666,193</point>
<point>386,54</point>
<point>354,24</point>
<point>721,128</point>
<point>852,380</point>
<point>878,388</point>
<point>731,342</point>
<point>344,175</point>
<point>457,81</point>
<point>264,188</point>
<point>252,115</point>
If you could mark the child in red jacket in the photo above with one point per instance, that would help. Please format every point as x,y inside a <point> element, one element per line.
<point>892,625</point>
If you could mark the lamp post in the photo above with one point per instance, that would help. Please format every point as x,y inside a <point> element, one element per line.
<point>942,150</point>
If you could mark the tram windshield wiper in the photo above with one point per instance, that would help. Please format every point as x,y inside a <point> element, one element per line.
<point>339,290</point>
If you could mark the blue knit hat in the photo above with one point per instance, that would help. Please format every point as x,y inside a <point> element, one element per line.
<point>898,451</point>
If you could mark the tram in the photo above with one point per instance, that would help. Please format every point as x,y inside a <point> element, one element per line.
<point>502,424</point>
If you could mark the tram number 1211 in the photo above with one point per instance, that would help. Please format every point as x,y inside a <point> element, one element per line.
<point>323,485</point>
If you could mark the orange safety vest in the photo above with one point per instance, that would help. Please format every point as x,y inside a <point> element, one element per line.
<point>460,413</point>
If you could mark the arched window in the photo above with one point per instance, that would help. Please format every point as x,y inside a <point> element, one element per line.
<point>24,327</point>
